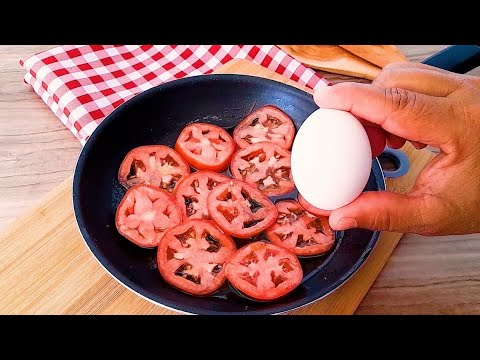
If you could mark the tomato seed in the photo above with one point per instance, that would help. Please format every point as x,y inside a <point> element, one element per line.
<point>211,183</point>
<point>276,279</point>
<point>216,269</point>
<point>269,253</point>
<point>170,253</point>
<point>134,166</point>
<point>189,234</point>
<point>250,258</point>
<point>285,264</point>
<point>317,225</point>
<point>250,279</point>
<point>181,272</point>
<point>214,243</point>
<point>272,122</point>
<point>249,224</point>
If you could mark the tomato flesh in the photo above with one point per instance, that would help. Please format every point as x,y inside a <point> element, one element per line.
<point>240,210</point>
<point>192,192</point>
<point>300,231</point>
<point>155,165</point>
<point>145,213</point>
<point>191,257</point>
<point>205,146</point>
<point>264,271</point>
<point>266,166</point>
<point>265,124</point>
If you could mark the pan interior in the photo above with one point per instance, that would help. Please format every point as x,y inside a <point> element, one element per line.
<point>156,117</point>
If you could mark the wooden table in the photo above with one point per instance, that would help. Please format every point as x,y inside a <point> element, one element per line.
<point>425,275</point>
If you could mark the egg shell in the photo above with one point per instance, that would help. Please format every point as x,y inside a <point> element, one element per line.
<point>331,159</point>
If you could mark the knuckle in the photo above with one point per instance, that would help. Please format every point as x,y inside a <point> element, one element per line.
<point>385,77</point>
<point>393,65</point>
<point>398,99</point>
<point>382,221</point>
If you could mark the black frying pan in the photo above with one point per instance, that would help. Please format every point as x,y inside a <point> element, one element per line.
<point>157,116</point>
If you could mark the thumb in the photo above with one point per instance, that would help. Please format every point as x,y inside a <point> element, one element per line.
<point>381,211</point>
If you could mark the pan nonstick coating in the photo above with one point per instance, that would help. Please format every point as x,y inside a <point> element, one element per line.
<point>156,117</point>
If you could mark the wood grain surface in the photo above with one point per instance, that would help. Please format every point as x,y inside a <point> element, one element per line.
<point>424,275</point>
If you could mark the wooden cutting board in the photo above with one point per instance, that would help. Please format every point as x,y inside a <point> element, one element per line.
<point>45,267</point>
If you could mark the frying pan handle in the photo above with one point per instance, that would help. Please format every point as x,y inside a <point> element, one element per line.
<point>394,163</point>
<point>456,58</point>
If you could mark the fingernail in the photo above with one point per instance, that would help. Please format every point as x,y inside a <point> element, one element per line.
<point>346,223</point>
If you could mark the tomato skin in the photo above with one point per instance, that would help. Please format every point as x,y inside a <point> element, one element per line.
<point>300,231</point>
<point>264,213</point>
<point>202,272</point>
<point>219,146</point>
<point>281,135</point>
<point>261,262</point>
<point>312,209</point>
<point>155,165</point>
<point>136,202</point>
<point>261,162</point>
<point>184,188</point>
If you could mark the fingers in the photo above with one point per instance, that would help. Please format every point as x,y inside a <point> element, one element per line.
<point>404,113</point>
<point>382,211</point>
<point>421,80</point>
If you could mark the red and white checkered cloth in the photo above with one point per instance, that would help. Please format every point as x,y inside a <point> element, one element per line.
<point>82,84</point>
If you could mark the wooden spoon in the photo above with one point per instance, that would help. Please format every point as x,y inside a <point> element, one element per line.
<point>379,55</point>
<point>332,58</point>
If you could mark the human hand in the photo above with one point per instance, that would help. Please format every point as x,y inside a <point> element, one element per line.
<point>424,105</point>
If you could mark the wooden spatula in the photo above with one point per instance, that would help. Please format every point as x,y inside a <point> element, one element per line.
<point>379,55</point>
<point>332,58</point>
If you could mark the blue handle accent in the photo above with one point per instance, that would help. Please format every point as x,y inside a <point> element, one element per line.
<point>398,157</point>
<point>456,58</point>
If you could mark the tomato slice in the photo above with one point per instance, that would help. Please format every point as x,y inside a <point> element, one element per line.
<point>264,271</point>
<point>205,146</point>
<point>192,191</point>
<point>312,209</point>
<point>300,231</point>
<point>266,166</point>
<point>240,210</point>
<point>192,255</point>
<point>145,213</point>
<point>155,165</point>
<point>265,124</point>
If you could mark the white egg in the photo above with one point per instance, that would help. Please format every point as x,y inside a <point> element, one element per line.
<point>331,159</point>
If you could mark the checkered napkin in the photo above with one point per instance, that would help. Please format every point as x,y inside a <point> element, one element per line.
<point>82,84</point>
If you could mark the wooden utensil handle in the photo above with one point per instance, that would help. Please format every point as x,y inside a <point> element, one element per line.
<point>457,58</point>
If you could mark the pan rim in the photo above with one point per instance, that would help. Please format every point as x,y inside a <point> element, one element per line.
<point>127,283</point>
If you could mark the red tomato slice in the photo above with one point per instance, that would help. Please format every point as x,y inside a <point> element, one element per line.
<point>265,124</point>
<point>240,210</point>
<point>300,231</point>
<point>145,213</point>
<point>264,271</point>
<point>155,165</point>
<point>192,191</point>
<point>205,146</point>
<point>192,255</point>
<point>312,209</point>
<point>266,166</point>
